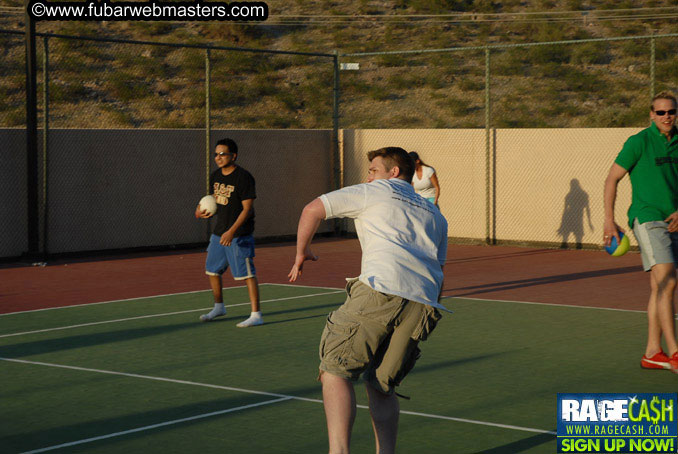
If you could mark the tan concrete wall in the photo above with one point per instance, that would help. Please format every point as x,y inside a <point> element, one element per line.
<point>548,181</point>
<point>128,188</point>
<point>532,171</point>
<point>457,155</point>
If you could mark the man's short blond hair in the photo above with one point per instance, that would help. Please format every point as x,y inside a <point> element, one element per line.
<point>664,95</point>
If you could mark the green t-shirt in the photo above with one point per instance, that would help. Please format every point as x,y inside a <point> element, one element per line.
<point>652,162</point>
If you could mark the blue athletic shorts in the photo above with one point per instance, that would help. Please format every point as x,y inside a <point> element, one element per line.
<point>238,256</point>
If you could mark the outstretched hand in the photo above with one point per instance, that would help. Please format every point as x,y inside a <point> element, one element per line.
<point>298,266</point>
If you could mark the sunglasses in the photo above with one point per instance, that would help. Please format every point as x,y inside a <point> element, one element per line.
<point>223,153</point>
<point>661,113</point>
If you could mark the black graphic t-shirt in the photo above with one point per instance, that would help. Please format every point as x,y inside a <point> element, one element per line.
<point>229,191</point>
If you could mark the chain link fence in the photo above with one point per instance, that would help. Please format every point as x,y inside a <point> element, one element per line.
<point>127,130</point>
<point>521,136</point>
<point>431,103</point>
<point>13,213</point>
<point>113,183</point>
<point>562,100</point>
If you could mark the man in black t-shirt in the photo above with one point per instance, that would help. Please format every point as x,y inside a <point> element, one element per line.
<point>231,243</point>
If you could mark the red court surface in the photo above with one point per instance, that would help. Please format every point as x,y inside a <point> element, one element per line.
<point>573,277</point>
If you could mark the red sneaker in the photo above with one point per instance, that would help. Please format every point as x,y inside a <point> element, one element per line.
<point>673,362</point>
<point>659,361</point>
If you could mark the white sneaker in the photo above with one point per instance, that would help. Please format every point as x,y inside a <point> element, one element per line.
<point>211,315</point>
<point>253,320</point>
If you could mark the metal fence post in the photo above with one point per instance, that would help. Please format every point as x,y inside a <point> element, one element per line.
<point>33,171</point>
<point>208,130</point>
<point>652,66</point>
<point>207,121</point>
<point>335,122</point>
<point>45,142</point>
<point>488,239</point>
<point>337,168</point>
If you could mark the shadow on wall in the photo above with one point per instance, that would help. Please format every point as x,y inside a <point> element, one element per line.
<point>572,222</point>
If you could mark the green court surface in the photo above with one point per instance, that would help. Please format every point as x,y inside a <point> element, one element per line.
<point>145,375</point>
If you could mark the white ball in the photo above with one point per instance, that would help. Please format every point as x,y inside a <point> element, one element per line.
<point>209,204</point>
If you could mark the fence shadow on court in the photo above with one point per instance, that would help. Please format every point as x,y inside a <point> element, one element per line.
<point>531,282</point>
<point>507,255</point>
<point>457,362</point>
<point>520,445</point>
<point>138,419</point>
<point>23,349</point>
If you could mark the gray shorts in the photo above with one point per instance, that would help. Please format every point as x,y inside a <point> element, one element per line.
<point>657,244</point>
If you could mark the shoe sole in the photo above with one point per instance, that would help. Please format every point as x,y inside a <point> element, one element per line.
<point>249,325</point>
<point>647,364</point>
<point>203,318</point>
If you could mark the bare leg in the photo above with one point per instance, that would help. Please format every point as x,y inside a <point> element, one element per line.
<point>385,410</point>
<point>339,401</point>
<point>253,290</point>
<point>654,332</point>
<point>215,283</point>
<point>661,316</point>
<point>219,309</point>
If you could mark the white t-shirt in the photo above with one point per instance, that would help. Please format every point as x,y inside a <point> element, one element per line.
<point>423,186</point>
<point>402,235</point>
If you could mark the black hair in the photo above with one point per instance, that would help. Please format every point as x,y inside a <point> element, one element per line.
<point>230,144</point>
<point>415,157</point>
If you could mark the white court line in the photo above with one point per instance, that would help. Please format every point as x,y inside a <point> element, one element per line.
<point>280,299</point>
<point>156,315</point>
<point>110,321</point>
<point>473,421</point>
<point>249,391</point>
<point>150,377</point>
<point>155,426</point>
<point>152,296</point>
<point>112,301</point>
<point>305,286</point>
<point>504,301</point>
<point>614,309</point>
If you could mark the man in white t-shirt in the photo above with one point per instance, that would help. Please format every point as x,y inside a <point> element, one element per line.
<point>391,306</point>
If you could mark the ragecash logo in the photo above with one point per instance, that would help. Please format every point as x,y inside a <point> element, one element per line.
<point>623,423</point>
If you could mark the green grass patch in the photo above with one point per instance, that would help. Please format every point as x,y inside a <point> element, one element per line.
<point>67,92</point>
<point>13,116</point>
<point>125,87</point>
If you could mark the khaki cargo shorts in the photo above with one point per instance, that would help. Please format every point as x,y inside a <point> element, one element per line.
<point>375,334</point>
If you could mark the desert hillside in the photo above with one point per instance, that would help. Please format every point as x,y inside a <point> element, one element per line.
<point>607,83</point>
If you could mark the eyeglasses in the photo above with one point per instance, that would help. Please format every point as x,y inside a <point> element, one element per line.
<point>223,153</point>
<point>661,113</point>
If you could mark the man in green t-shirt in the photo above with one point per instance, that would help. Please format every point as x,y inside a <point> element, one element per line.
<point>651,160</point>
